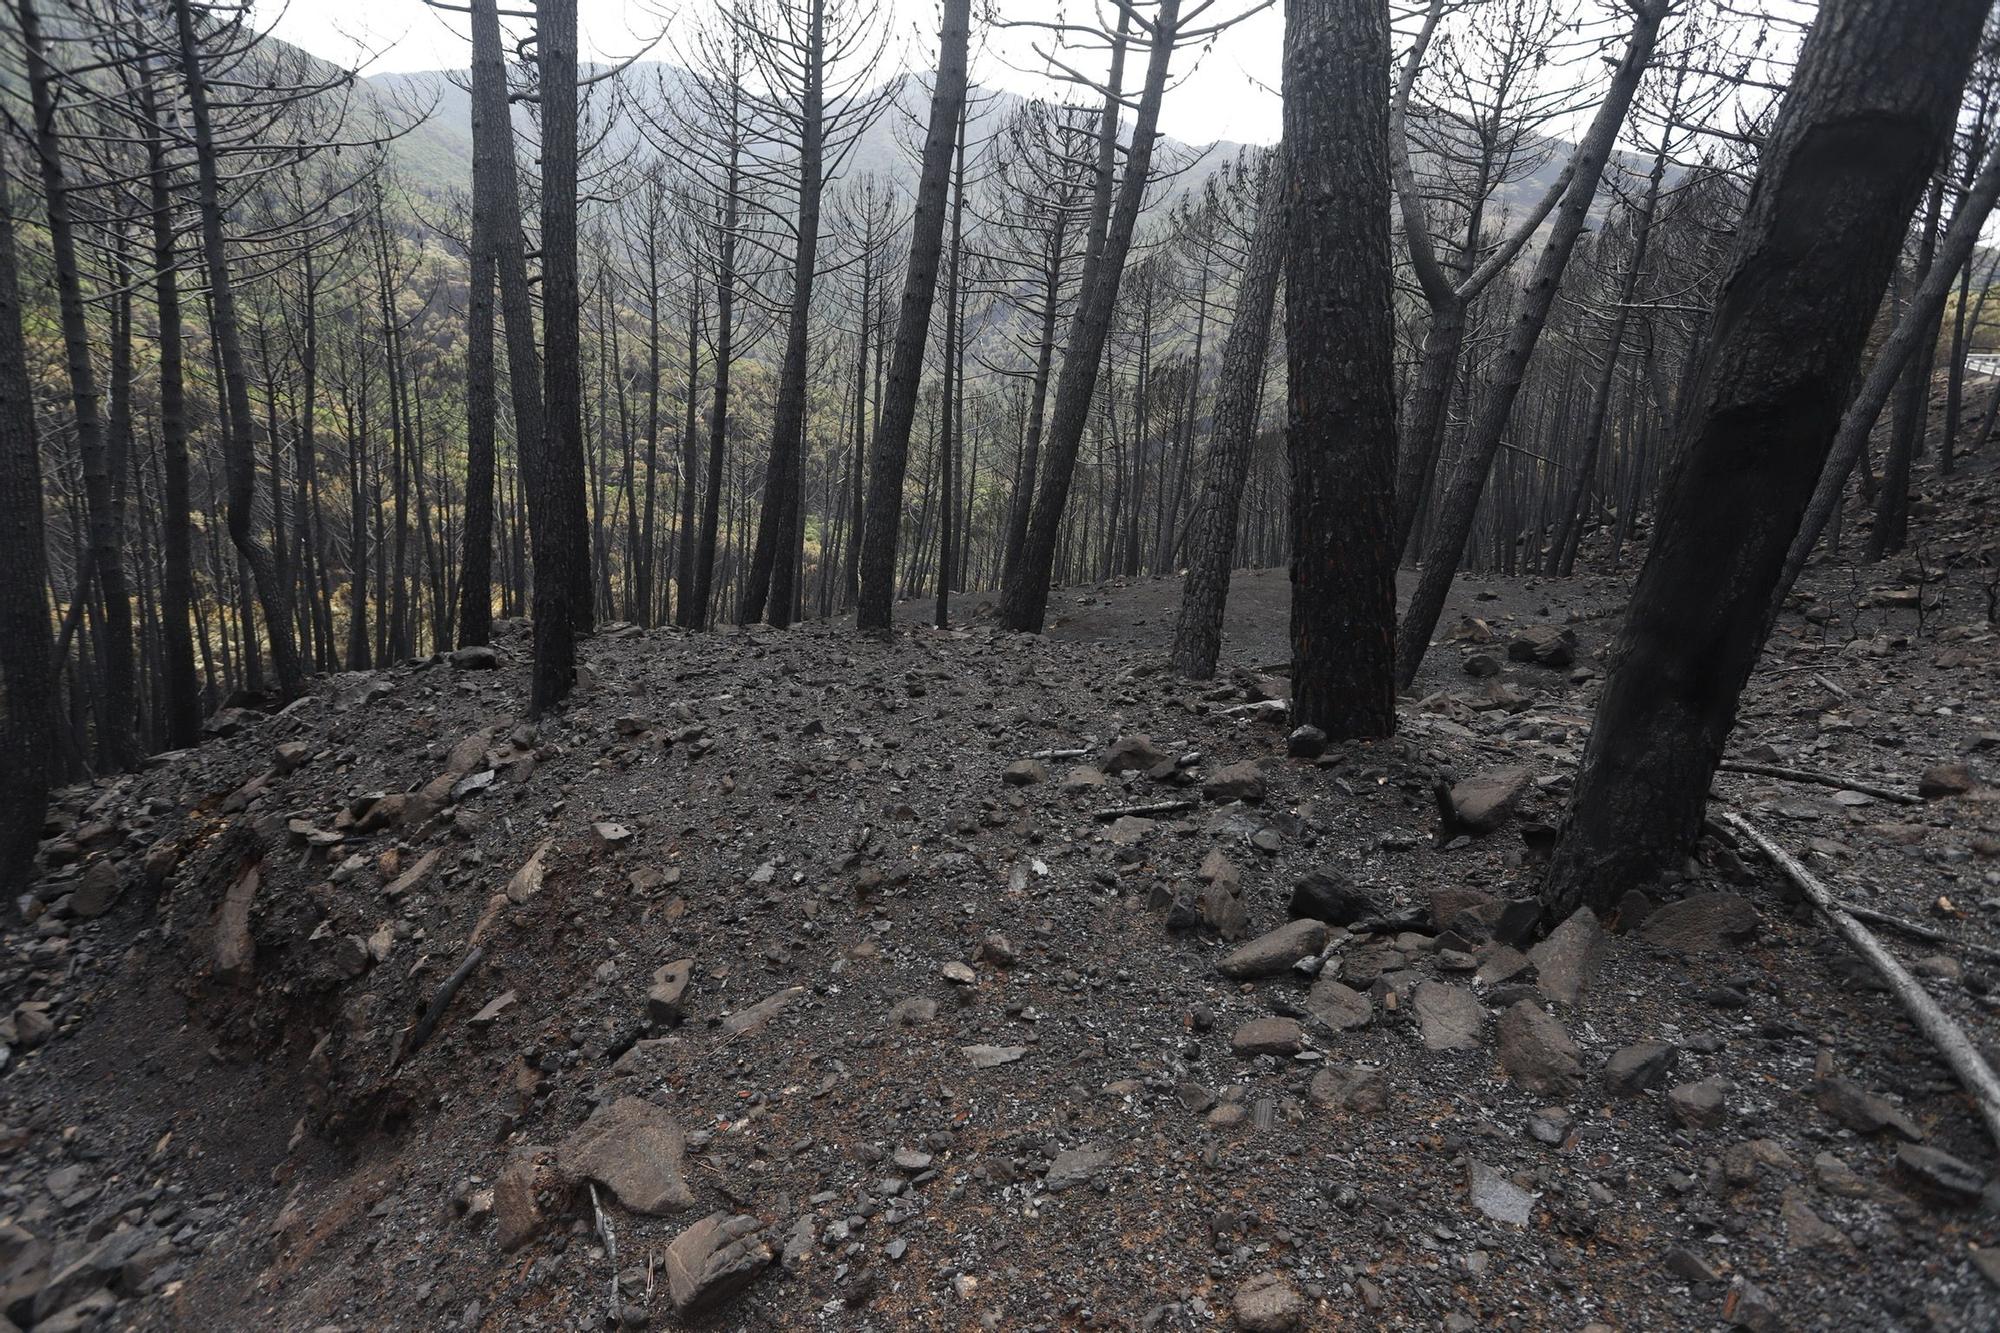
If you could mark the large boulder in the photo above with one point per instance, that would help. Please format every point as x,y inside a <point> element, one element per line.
<point>1485,801</point>
<point>713,1260</point>
<point>1535,1050</point>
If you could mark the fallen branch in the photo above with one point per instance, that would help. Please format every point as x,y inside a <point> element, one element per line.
<point>1156,808</point>
<point>1917,930</point>
<point>1833,780</point>
<point>1058,754</point>
<point>441,1001</point>
<point>610,1239</point>
<point>1950,1039</point>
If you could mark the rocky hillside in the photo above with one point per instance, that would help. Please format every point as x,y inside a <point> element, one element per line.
<point>970,981</point>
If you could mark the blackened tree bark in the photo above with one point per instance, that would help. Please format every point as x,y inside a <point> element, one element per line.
<point>690,450</point>
<point>27,673</point>
<point>889,453</point>
<point>1859,418</point>
<point>475,580</point>
<point>117,741</point>
<point>694,609</point>
<point>1211,542</point>
<point>1856,136</point>
<point>1892,498</point>
<point>1340,339</point>
<point>1024,602</point>
<point>1460,503</point>
<point>180,705</point>
<point>560,529</point>
<point>770,584</point>
<point>239,464</point>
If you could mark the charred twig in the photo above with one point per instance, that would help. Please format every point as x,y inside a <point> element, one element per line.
<point>1950,1039</point>
<point>1918,931</point>
<point>1156,808</point>
<point>1833,780</point>
<point>441,1001</point>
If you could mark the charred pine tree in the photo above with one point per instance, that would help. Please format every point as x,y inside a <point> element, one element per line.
<point>1865,119</point>
<point>1211,543</point>
<point>889,454</point>
<point>475,579</point>
<point>239,461</point>
<point>27,672</point>
<point>1341,342</point>
<point>1460,502</point>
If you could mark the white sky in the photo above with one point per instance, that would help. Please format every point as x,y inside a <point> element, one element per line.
<point>1227,92</point>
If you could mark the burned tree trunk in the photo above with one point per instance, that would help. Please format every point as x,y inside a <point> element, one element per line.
<point>1341,342</point>
<point>888,457</point>
<point>27,672</point>
<point>1866,116</point>
<point>1211,544</point>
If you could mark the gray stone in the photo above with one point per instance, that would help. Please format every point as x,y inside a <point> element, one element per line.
<point>1498,1197</point>
<point>1347,1087</point>
<point>1633,1069</point>
<point>750,1021</point>
<point>1132,752</point>
<point>1543,645</point>
<point>986,1057</point>
<point>1565,960</point>
<point>1698,1105</point>
<point>1074,1166</point>
<point>1272,954</point>
<point>1339,1005</point>
<point>1238,782</point>
<point>1025,773</point>
<point>1332,898</point>
<point>1484,801</point>
<point>1939,1174</point>
<point>713,1260</point>
<point>1862,1111</point>
<point>1535,1050</point>
<point>1269,1303</point>
<point>1551,1125</point>
<point>475,657</point>
<point>1704,923</point>
<point>668,991</point>
<point>1448,1016</point>
<point>1306,742</point>
<point>1268,1036</point>
<point>634,1148</point>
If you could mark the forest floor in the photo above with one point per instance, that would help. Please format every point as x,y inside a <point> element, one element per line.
<point>960,1050</point>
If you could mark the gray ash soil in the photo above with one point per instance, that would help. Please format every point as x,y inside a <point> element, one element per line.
<point>823,822</point>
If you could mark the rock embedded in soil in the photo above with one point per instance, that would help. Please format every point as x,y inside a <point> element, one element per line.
<point>1497,1197</point>
<point>1129,753</point>
<point>1025,773</point>
<point>518,1192</point>
<point>1339,1005</point>
<point>1448,1016</point>
<point>1862,1111</point>
<point>1543,645</point>
<point>1269,1303</point>
<point>1333,898</point>
<point>1535,1050</point>
<point>1703,923</point>
<point>1273,953</point>
<point>1074,1166</point>
<point>1237,782</point>
<point>987,1056</point>
<point>1349,1087</point>
<point>1268,1036</point>
<point>1698,1105</point>
<point>714,1260</point>
<point>665,997</point>
<point>1565,961</point>
<point>751,1021</point>
<point>1948,779</point>
<point>1484,801</point>
<point>636,1150</point>
<point>1633,1069</point>
<point>1939,1174</point>
<point>1306,742</point>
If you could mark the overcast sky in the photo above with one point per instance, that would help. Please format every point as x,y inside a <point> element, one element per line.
<point>1227,92</point>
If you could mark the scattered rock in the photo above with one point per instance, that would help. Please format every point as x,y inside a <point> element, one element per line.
<point>1704,923</point>
<point>1269,1303</point>
<point>750,1021</point>
<point>1074,1166</point>
<point>1948,779</point>
<point>1025,773</point>
<point>1268,1036</point>
<point>1333,898</point>
<point>1543,645</point>
<point>1861,1110</point>
<point>713,1260</point>
<point>475,657</point>
<point>1349,1087</point>
<point>1339,1005</point>
<point>1498,1197</point>
<point>1128,753</point>
<point>634,1148</point>
<point>1633,1069</point>
<point>1535,1050</point>
<point>986,1057</point>
<point>1698,1105</point>
<point>1238,782</point>
<point>1448,1016</point>
<point>1306,742</point>
<point>521,1195</point>
<point>1939,1174</point>
<point>1273,953</point>
<point>1484,801</point>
